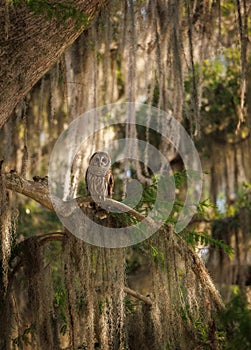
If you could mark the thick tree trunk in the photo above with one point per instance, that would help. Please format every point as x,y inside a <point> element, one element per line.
<point>30,45</point>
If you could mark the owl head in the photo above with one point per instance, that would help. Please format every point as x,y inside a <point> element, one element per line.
<point>99,163</point>
<point>100,159</point>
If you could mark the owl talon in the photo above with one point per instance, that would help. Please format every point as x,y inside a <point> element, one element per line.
<point>101,214</point>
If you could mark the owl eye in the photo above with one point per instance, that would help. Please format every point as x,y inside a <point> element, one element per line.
<point>104,160</point>
<point>96,161</point>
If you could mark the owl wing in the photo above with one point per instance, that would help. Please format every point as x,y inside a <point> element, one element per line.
<point>110,182</point>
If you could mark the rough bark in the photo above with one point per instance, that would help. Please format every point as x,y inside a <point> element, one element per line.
<point>30,45</point>
<point>35,190</point>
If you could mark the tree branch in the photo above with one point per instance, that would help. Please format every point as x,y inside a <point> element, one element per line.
<point>139,296</point>
<point>39,191</point>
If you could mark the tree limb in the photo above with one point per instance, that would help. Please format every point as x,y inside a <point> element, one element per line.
<point>137,295</point>
<point>39,191</point>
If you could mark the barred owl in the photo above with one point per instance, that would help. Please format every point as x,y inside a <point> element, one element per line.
<point>99,178</point>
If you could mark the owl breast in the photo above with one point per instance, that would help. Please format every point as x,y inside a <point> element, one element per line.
<point>99,179</point>
<point>98,187</point>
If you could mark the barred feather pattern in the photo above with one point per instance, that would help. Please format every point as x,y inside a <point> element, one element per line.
<point>99,179</point>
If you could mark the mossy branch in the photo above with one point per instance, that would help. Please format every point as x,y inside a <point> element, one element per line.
<point>139,296</point>
<point>38,190</point>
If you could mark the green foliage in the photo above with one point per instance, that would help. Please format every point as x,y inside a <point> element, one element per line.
<point>220,97</point>
<point>221,93</point>
<point>235,321</point>
<point>100,307</point>
<point>190,235</point>
<point>194,238</point>
<point>148,197</point>
<point>23,339</point>
<point>122,219</point>
<point>203,206</point>
<point>60,294</point>
<point>60,304</point>
<point>120,78</point>
<point>179,178</point>
<point>59,10</point>
<point>130,307</point>
<point>202,331</point>
<point>158,256</point>
<point>185,175</point>
<point>33,219</point>
<point>132,261</point>
<point>244,197</point>
<point>82,191</point>
<point>220,102</point>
